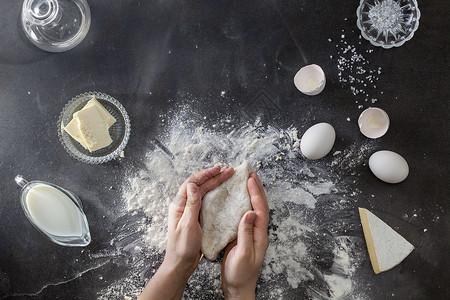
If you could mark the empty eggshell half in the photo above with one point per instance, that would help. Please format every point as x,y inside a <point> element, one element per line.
<point>310,80</point>
<point>373,122</point>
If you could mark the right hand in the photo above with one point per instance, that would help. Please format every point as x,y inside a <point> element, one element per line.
<point>244,257</point>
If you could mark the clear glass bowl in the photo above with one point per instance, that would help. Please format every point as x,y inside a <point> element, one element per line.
<point>56,25</point>
<point>388,23</point>
<point>119,131</point>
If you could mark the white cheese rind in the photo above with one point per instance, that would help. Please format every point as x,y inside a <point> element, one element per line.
<point>386,247</point>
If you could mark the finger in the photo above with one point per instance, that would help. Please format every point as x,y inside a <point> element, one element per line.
<point>193,204</point>
<point>245,235</point>
<point>229,247</point>
<point>200,177</point>
<point>181,197</point>
<point>174,216</point>
<point>217,180</point>
<point>230,250</point>
<point>176,207</point>
<point>258,181</point>
<point>259,203</point>
<point>261,189</point>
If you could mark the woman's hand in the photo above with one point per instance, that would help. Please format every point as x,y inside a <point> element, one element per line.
<point>243,258</point>
<point>184,235</point>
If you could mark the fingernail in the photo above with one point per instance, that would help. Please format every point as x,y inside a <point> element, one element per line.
<point>229,169</point>
<point>251,217</point>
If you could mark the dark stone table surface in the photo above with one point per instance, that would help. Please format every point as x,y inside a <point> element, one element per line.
<point>145,53</point>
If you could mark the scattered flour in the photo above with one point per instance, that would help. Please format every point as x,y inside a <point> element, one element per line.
<point>309,254</point>
<point>355,155</point>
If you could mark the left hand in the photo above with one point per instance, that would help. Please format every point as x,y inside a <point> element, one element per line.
<point>185,234</point>
<point>184,237</point>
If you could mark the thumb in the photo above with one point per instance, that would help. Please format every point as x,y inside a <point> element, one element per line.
<point>245,234</point>
<point>193,203</point>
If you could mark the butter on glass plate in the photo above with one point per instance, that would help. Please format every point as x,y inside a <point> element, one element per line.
<point>119,131</point>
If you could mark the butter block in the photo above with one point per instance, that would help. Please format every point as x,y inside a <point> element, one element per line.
<point>386,247</point>
<point>110,120</point>
<point>93,128</point>
<point>73,129</point>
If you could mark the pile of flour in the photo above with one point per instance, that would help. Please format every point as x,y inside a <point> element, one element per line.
<point>311,253</point>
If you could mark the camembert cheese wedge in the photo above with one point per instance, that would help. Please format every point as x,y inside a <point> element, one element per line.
<point>386,247</point>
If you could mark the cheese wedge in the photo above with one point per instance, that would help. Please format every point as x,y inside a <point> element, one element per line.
<point>386,247</point>
<point>110,120</point>
<point>73,129</point>
<point>93,128</point>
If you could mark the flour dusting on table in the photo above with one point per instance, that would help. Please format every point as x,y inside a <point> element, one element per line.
<point>310,254</point>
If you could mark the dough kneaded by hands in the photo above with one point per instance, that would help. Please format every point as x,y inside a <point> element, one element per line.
<point>222,210</point>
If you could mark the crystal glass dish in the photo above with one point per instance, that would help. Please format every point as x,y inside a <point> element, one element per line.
<point>388,23</point>
<point>119,131</point>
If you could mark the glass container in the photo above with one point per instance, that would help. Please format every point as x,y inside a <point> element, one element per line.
<point>54,211</point>
<point>119,131</point>
<point>388,23</point>
<point>56,25</point>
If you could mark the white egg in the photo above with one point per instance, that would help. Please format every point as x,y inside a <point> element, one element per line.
<point>373,122</point>
<point>317,141</point>
<point>310,80</point>
<point>389,166</point>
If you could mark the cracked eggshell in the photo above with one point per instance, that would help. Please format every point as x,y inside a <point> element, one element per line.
<point>388,166</point>
<point>318,141</point>
<point>373,122</point>
<point>310,80</point>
